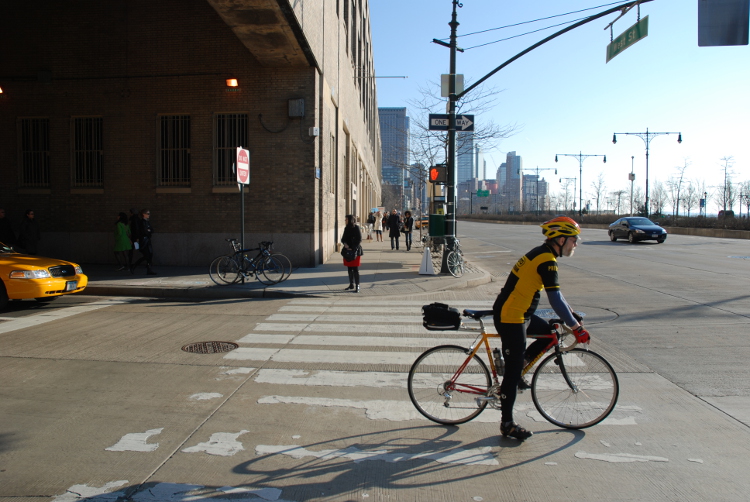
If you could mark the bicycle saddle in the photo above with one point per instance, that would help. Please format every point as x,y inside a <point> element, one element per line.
<point>477,314</point>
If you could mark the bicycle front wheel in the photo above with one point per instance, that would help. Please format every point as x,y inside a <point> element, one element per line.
<point>286,262</point>
<point>224,270</point>
<point>438,398</point>
<point>455,262</point>
<point>575,389</point>
<point>271,271</point>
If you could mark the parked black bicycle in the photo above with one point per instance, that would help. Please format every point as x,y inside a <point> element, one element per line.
<point>240,265</point>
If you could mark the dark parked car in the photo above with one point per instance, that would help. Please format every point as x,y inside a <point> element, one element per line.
<point>636,228</point>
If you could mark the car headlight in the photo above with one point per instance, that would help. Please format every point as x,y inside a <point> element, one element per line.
<point>79,270</point>
<point>30,274</point>
<point>639,231</point>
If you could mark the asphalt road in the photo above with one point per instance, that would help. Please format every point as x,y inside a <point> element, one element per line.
<point>98,401</point>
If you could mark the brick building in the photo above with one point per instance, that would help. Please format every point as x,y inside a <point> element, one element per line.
<point>125,103</point>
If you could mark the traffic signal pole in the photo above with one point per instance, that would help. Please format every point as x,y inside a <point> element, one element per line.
<point>450,216</point>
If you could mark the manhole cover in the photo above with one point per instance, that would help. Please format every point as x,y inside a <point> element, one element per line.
<point>209,347</point>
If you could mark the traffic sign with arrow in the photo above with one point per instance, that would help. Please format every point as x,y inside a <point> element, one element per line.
<point>440,122</point>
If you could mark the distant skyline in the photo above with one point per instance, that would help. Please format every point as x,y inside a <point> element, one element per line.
<point>567,100</point>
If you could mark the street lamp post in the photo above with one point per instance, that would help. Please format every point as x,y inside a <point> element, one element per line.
<point>581,157</point>
<point>631,177</point>
<point>537,182</point>
<point>647,137</point>
<point>566,191</point>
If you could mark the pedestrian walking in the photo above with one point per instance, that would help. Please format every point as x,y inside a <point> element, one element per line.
<point>352,251</point>
<point>29,234</point>
<point>408,229</point>
<point>145,246</point>
<point>123,244</point>
<point>378,225</point>
<point>394,229</point>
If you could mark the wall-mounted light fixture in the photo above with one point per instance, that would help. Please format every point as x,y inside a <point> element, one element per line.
<point>232,82</point>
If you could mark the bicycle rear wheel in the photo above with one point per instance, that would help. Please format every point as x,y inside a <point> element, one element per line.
<point>271,271</point>
<point>455,263</point>
<point>591,398</point>
<point>224,270</point>
<point>433,394</point>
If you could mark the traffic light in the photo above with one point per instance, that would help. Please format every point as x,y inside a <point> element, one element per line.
<point>439,174</point>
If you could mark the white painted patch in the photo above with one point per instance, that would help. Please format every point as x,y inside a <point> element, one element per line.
<point>343,356</point>
<point>620,457</point>
<point>474,456</point>
<point>393,411</point>
<point>696,460</point>
<point>238,371</point>
<point>264,493</point>
<point>550,463</point>
<point>46,316</point>
<point>296,436</point>
<point>254,338</point>
<point>103,493</point>
<point>205,396</point>
<point>478,499</point>
<point>224,444</point>
<point>355,341</point>
<point>352,318</point>
<point>332,378</point>
<point>136,441</point>
<point>246,354</point>
<point>605,443</point>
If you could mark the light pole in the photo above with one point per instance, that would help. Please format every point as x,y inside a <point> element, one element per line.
<point>581,157</point>
<point>647,137</point>
<point>632,179</point>
<point>537,182</point>
<point>566,192</point>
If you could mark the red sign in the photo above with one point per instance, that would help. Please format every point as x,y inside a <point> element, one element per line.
<point>243,166</point>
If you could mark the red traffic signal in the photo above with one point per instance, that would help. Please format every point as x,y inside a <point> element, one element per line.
<point>439,174</point>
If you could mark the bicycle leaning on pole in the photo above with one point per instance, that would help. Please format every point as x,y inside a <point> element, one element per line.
<point>572,387</point>
<point>264,266</point>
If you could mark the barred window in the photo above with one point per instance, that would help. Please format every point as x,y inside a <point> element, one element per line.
<point>230,132</point>
<point>87,151</point>
<point>174,150</point>
<point>34,152</point>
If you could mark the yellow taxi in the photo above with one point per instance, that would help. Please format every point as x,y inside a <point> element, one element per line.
<point>44,279</point>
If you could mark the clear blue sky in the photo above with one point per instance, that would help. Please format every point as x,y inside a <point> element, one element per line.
<point>568,100</point>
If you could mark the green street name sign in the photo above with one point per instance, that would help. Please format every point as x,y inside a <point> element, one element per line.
<point>636,32</point>
<point>483,193</point>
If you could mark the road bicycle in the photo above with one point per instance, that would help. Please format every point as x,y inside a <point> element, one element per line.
<point>572,387</point>
<point>455,260</point>
<point>239,266</point>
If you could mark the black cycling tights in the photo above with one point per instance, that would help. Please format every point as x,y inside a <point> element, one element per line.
<point>513,337</point>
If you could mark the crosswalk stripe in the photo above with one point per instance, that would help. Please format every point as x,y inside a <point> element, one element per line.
<point>374,319</point>
<point>321,356</point>
<point>352,341</point>
<point>411,328</point>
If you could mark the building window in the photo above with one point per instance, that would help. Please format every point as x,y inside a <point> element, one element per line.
<point>230,131</point>
<point>34,152</point>
<point>87,151</point>
<point>332,166</point>
<point>174,150</point>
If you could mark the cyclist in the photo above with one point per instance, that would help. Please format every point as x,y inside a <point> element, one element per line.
<point>515,306</point>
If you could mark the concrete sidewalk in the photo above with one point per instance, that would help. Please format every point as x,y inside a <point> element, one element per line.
<point>383,272</point>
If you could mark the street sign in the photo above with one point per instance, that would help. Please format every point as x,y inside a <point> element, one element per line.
<point>483,193</point>
<point>243,166</point>
<point>439,174</point>
<point>633,34</point>
<point>445,85</point>
<point>440,122</point>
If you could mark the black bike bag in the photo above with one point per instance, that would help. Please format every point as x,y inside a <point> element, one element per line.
<point>440,317</point>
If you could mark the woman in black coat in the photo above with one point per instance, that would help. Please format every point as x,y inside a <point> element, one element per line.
<point>394,229</point>
<point>351,239</point>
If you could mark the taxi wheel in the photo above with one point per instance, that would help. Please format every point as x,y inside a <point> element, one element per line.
<point>3,297</point>
<point>46,299</point>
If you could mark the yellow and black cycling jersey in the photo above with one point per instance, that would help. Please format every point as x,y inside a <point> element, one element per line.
<point>519,298</point>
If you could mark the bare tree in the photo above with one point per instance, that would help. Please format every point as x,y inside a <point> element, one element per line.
<point>690,198</point>
<point>639,200</point>
<point>599,188</point>
<point>617,197</point>
<point>674,187</point>
<point>658,198</point>
<point>744,196</point>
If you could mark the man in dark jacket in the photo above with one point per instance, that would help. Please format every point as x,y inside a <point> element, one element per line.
<point>394,229</point>
<point>143,236</point>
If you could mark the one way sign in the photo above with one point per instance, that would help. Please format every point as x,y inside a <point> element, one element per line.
<point>439,122</point>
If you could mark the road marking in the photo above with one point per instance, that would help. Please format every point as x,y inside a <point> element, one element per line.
<point>205,396</point>
<point>321,356</point>
<point>369,319</point>
<point>473,456</point>
<point>619,457</point>
<point>353,341</point>
<point>332,378</point>
<point>169,492</point>
<point>136,441</point>
<point>55,315</point>
<point>102,493</point>
<point>224,444</point>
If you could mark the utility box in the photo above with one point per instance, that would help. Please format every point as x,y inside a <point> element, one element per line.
<point>437,225</point>
<point>297,107</point>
